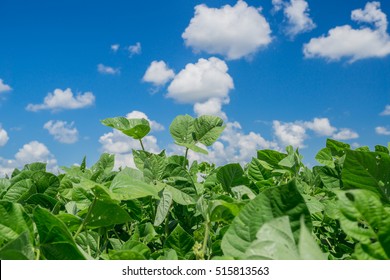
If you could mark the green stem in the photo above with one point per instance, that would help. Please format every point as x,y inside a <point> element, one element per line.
<point>86,218</point>
<point>38,254</point>
<point>206,237</point>
<point>185,158</point>
<point>142,145</point>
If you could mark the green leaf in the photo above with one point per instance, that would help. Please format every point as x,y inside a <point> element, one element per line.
<point>20,248</point>
<point>180,241</point>
<point>208,129</point>
<point>129,184</point>
<point>154,166</point>
<point>382,149</point>
<point>274,202</point>
<point>329,177</point>
<point>105,211</point>
<point>337,148</point>
<point>231,175</point>
<point>169,254</point>
<point>56,242</point>
<point>367,170</point>
<point>20,191</point>
<point>104,165</point>
<point>137,247</point>
<point>271,157</point>
<point>88,241</point>
<point>180,197</point>
<point>125,255</point>
<point>14,221</point>
<point>324,157</point>
<point>163,207</point>
<point>46,183</point>
<point>193,147</point>
<point>181,129</point>
<point>364,218</point>
<point>135,128</point>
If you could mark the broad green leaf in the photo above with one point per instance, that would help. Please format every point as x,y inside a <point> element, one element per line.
<point>337,148</point>
<point>20,248</point>
<point>381,149</point>
<point>259,170</point>
<point>72,222</point>
<point>208,129</point>
<point>14,221</point>
<point>20,191</point>
<point>364,218</point>
<point>231,175</point>
<point>271,157</point>
<point>272,203</point>
<point>135,128</point>
<point>43,200</point>
<point>88,241</point>
<point>105,211</point>
<point>55,241</point>
<point>275,241</point>
<point>138,247</point>
<point>154,166</point>
<point>181,129</point>
<point>105,164</point>
<point>242,191</point>
<point>46,183</point>
<point>193,147</point>
<point>222,211</point>
<point>180,197</point>
<point>169,254</point>
<point>180,241</point>
<point>324,157</point>
<point>35,166</point>
<point>367,170</point>
<point>163,207</point>
<point>329,177</point>
<point>129,184</point>
<point>4,185</point>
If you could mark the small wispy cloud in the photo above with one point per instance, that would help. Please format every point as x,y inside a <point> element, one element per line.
<point>4,87</point>
<point>103,69</point>
<point>135,49</point>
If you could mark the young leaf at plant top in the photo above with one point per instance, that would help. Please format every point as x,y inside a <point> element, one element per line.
<point>135,128</point>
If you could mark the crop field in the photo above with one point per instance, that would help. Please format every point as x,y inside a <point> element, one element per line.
<point>170,208</point>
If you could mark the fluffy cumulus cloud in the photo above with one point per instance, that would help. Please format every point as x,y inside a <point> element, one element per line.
<point>4,87</point>
<point>386,112</point>
<point>297,16</point>
<point>199,82</point>
<point>381,130</point>
<point>369,41</point>
<point>213,107</point>
<point>135,49</point>
<point>234,145</point>
<point>29,153</point>
<point>295,133</point>
<point>62,131</point>
<point>232,31</point>
<point>158,73</point>
<point>103,69</point>
<point>63,99</point>
<point>345,134</point>
<point>121,146</point>
<point>3,136</point>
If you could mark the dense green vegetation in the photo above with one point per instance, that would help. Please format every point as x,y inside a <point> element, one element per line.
<point>169,208</point>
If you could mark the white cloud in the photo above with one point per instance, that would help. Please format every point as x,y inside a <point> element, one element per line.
<point>135,49</point>
<point>290,133</point>
<point>233,32</point>
<point>107,69</point>
<point>29,153</point>
<point>158,73</point>
<point>295,133</point>
<point>321,126</point>
<point>3,136</point>
<point>234,145</point>
<point>278,5</point>
<point>4,87</point>
<point>62,131</point>
<point>117,143</point>
<point>386,112</point>
<point>297,15</point>
<point>345,134</point>
<point>354,44</point>
<point>213,106</point>
<point>63,99</point>
<point>381,130</point>
<point>206,79</point>
<point>115,47</point>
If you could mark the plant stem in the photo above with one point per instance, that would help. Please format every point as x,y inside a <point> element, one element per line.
<point>206,237</point>
<point>142,145</point>
<point>185,158</point>
<point>38,254</point>
<point>86,218</point>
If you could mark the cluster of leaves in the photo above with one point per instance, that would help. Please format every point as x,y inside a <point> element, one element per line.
<point>168,208</point>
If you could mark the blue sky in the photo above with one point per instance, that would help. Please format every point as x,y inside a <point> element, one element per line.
<point>279,72</point>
